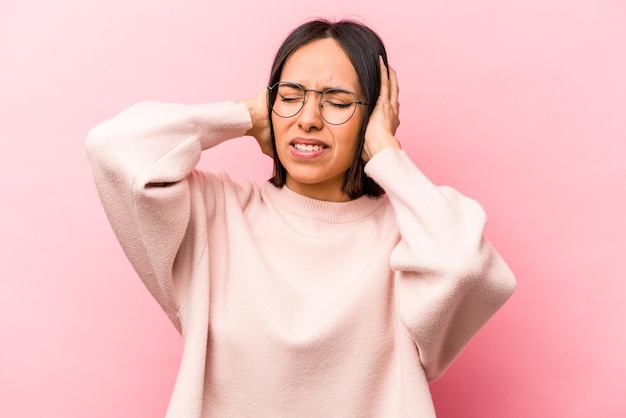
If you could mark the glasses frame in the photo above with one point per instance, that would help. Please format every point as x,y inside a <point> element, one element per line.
<point>304,100</point>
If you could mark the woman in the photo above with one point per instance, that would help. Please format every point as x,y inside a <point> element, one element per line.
<point>315,294</point>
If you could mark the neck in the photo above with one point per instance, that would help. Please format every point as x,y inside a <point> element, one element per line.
<point>318,191</point>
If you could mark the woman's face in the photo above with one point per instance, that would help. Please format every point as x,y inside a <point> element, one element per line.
<point>315,154</point>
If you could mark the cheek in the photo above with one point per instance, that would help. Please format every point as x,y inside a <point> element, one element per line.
<point>352,134</point>
<point>280,127</point>
<point>280,134</point>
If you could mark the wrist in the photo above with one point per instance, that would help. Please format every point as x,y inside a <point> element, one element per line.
<point>253,117</point>
<point>374,147</point>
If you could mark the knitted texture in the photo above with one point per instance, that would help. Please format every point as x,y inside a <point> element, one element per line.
<point>291,306</point>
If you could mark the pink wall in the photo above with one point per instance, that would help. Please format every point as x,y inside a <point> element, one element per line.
<point>520,104</point>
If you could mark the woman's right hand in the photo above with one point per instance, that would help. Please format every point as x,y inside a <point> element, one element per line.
<point>257,106</point>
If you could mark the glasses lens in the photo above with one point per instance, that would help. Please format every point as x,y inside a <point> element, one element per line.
<point>337,106</point>
<point>287,99</point>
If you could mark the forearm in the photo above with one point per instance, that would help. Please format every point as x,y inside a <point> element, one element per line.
<point>142,162</point>
<point>450,280</point>
<point>145,133</point>
<point>440,228</point>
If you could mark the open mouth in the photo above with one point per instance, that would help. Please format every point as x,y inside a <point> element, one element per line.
<point>308,147</point>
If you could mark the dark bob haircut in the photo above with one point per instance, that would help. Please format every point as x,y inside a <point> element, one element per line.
<point>363,47</point>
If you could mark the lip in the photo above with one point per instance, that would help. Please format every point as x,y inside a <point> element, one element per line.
<point>308,141</point>
<point>307,155</point>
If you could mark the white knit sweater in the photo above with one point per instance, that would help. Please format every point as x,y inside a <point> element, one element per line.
<point>290,306</point>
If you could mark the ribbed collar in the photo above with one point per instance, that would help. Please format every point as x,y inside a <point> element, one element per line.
<point>334,212</point>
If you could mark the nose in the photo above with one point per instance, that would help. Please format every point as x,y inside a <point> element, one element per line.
<point>310,116</point>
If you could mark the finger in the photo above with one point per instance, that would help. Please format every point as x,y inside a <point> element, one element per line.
<point>394,88</point>
<point>384,80</point>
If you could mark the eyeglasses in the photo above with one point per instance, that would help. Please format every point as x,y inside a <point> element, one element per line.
<point>336,106</point>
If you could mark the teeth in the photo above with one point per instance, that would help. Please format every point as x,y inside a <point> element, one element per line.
<point>302,147</point>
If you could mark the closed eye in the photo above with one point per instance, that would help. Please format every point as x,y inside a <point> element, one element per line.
<point>339,105</point>
<point>291,99</point>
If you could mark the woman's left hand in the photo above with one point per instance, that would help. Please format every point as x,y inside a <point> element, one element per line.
<point>384,120</point>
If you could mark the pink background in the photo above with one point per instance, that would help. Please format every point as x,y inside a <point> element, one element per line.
<point>520,104</point>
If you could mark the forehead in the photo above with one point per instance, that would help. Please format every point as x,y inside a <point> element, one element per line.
<point>321,64</point>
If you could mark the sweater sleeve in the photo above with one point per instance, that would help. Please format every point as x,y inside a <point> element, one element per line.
<point>449,279</point>
<point>143,165</point>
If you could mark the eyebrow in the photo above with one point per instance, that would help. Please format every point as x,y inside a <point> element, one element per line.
<point>323,90</point>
